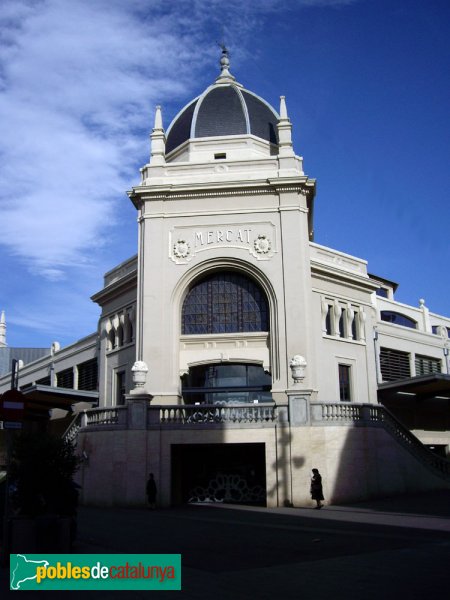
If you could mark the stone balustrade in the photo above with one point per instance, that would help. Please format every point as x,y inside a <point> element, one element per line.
<point>122,417</point>
<point>216,413</point>
<point>105,416</point>
<point>260,415</point>
<point>335,413</point>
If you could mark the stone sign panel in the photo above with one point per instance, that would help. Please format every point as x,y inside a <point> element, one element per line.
<point>259,239</point>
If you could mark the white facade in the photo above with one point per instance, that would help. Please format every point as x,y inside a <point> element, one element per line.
<point>214,205</point>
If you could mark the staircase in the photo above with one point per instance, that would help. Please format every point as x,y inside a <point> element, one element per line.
<point>375,415</point>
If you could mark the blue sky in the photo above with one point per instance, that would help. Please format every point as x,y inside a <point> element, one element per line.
<point>368,92</point>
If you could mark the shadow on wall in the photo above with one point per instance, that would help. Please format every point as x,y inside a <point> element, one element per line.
<point>281,492</point>
<point>373,464</point>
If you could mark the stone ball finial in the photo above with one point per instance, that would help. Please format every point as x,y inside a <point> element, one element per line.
<point>225,58</point>
<point>225,74</point>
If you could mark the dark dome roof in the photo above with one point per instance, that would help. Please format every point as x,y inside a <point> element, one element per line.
<point>222,110</point>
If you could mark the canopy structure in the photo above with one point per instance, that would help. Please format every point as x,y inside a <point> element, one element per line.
<point>40,399</point>
<point>434,387</point>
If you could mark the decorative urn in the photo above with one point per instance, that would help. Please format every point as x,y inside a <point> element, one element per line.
<point>298,367</point>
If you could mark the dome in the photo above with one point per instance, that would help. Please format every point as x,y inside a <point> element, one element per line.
<point>225,108</point>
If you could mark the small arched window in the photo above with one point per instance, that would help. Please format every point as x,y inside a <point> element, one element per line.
<point>120,336</point>
<point>398,319</point>
<point>225,302</point>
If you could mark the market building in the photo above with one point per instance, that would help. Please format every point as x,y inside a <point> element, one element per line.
<point>234,353</point>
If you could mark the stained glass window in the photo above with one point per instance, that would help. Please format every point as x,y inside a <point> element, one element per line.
<point>225,302</point>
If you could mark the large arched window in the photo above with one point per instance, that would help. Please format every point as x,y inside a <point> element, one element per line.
<point>225,302</point>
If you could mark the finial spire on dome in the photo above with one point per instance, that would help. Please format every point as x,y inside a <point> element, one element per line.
<point>225,75</point>
<point>158,140</point>
<point>284,131</point>
<point>2,329</point>
<point>283,108</point>
<point>158,119</point>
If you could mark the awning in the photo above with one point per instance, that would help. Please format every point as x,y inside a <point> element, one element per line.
<point>434,387</point>
<point>39,400</point>
<point>47,397</point>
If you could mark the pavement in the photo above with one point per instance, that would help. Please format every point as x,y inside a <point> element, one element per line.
<point>391,548</point>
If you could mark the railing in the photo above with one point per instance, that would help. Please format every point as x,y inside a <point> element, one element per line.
<point>178,415</point>
<point>71,433</point>
<point>376,415</point>
<point>336,412</point>
<point>322,413</point>
<point>215,413</point>
<point>409,440</point>
<point>104,416</point>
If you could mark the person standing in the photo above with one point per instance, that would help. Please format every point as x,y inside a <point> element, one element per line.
<point>151,491</point>
<point>316,488</point>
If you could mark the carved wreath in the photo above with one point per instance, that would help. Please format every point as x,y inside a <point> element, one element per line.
<point>181,249</point>
<point>262,244</point>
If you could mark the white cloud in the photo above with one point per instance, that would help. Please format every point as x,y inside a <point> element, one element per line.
<point>78,84</point>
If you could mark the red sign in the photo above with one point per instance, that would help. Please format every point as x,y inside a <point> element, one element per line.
<point>12,406</point>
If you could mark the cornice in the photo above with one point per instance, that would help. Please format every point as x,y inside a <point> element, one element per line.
<point>115,289</point>
<point>169,192</point>
<point>88,343</point>
<point>75,351</point>
<point>334,275</point>
<point>342,297</point>
<point>409,335</point>
<point>231,211</point>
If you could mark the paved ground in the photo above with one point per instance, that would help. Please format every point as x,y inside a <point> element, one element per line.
<point>394,548</point>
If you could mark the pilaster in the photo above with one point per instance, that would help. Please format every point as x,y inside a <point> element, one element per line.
<point>137,409</point>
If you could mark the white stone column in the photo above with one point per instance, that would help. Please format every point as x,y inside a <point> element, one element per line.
<point>2,330</point>
<point>425,316</point>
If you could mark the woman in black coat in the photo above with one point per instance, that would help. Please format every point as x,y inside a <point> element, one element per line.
<point>151,491</point>
<point>316,488</point>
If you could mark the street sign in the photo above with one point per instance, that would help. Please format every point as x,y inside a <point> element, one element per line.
<point>12,425</point>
